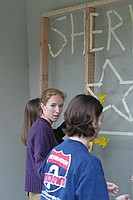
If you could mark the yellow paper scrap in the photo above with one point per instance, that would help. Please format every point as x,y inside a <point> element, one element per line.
<point>90,146</point>
<point>101,141</point>
<point>101,97</point>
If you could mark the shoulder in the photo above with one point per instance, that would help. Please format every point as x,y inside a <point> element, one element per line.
<point>86,161</point>
<point>41,124</point>
<point>91,160</point>
<point>92,165</point>
<point>40,129</point>
<point>42,121</point>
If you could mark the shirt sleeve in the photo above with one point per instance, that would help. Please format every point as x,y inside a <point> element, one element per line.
<point>44,141</point>
<point>59,134</point>
<point>92,186</point>
<point>42,172</point>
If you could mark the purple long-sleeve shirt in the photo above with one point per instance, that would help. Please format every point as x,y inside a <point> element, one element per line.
<point>40,141</point>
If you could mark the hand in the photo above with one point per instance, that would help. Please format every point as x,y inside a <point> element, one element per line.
<point>123,197</point>
<point>112,188</point>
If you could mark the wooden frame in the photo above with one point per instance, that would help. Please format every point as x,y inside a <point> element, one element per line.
<point>44,40</point>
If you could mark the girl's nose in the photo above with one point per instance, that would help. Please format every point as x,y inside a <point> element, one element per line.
<point>57,109</point>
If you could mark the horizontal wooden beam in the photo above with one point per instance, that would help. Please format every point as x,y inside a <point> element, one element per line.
<point>66,10</point>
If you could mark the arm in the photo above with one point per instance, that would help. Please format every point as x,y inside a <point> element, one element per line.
<point>93,187</point>
<point>112,188</point>
<point>59,134</point>
<point>44,142</point>
<point>123,197</point>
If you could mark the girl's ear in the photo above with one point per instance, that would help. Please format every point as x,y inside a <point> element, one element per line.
<point>42,106</point>
<point>94,123</point>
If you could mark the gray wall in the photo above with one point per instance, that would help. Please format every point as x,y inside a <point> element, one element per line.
<point>14,93</point>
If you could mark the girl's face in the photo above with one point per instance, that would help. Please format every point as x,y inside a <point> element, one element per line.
<point>98,123</point>
<point>53,108</point>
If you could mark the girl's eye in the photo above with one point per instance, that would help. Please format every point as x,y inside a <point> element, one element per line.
<point>53,105</point>
<point>61,106</point>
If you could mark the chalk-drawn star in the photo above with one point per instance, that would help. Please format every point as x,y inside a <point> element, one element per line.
<point>127,117</point>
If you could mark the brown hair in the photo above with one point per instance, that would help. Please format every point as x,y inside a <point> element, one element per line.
<point>51,92</point>
<point>31,113</point>
<point>79,115</point>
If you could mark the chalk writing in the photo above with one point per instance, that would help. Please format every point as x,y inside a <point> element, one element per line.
<point>111,32</point>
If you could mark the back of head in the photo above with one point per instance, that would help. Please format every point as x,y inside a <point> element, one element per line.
<point>79,115</point>
<point>51,92</point>
<point>32,110</point>
<point>31,113</point>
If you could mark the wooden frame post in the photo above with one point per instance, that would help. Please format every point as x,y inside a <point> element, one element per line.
<point>44,54</point>
<point>89,56</point>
